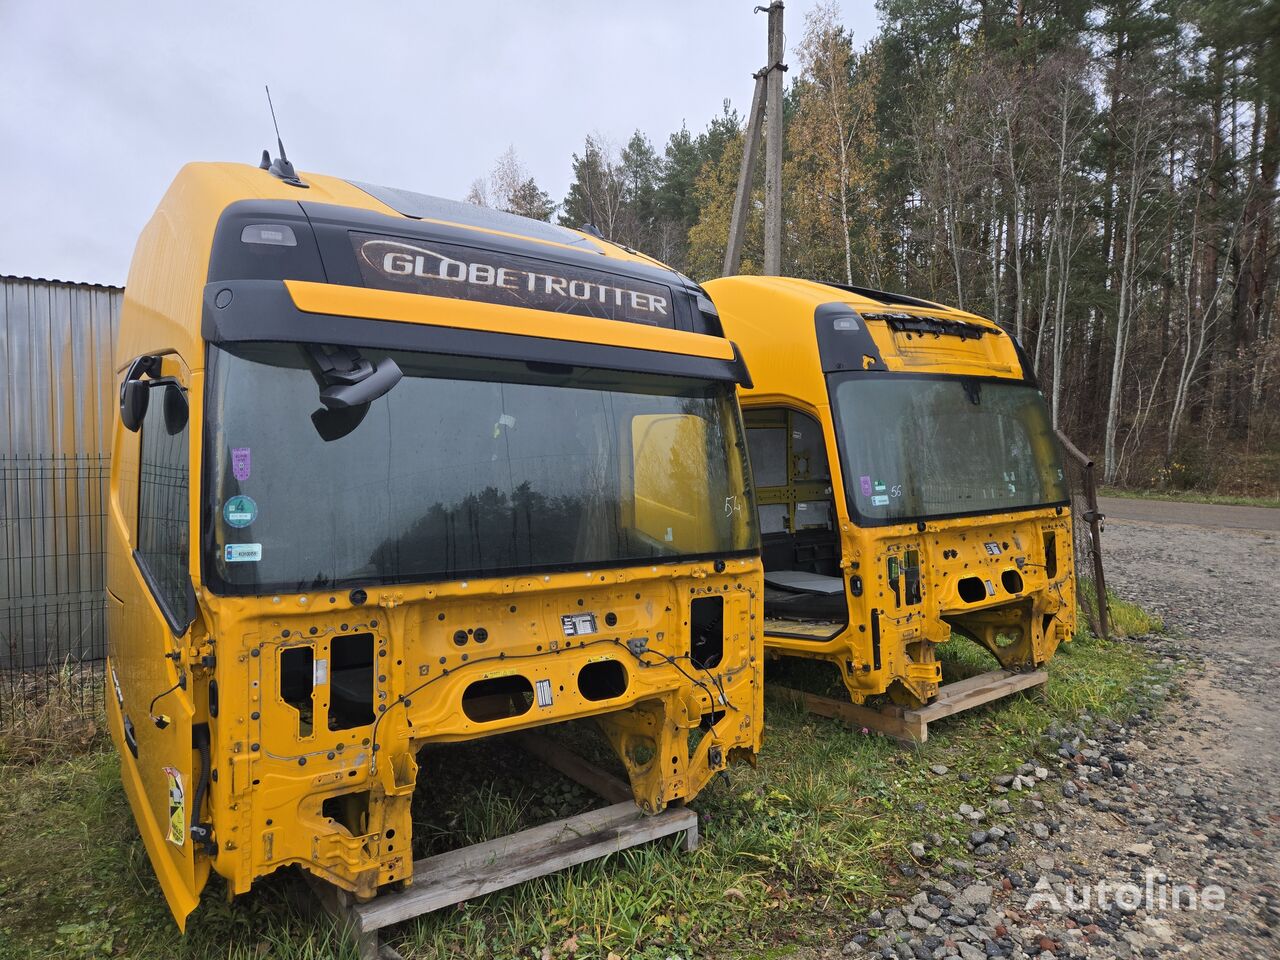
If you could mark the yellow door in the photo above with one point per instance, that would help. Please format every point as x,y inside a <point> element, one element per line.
<point>151,712</point>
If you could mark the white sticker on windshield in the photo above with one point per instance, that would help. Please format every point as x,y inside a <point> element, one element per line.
<point>243,552</point>
<point>880,501</point>
<point>506,420</point>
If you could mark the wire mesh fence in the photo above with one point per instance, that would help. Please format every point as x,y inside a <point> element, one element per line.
<point>1091,588</point>
<point>53,632</point>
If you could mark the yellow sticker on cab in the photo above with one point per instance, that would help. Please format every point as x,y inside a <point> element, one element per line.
<point>177,807</point>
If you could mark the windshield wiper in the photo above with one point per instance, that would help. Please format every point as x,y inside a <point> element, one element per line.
<point>348,384</point>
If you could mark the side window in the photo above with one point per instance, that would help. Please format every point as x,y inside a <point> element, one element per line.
<point>789,462</point>
<point>163,482</point>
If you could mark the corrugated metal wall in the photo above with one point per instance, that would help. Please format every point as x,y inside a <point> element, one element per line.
<point>55,363</point>
<point>57,404</point>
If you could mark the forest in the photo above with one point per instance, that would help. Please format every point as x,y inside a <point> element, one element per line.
<point>1100,178</point>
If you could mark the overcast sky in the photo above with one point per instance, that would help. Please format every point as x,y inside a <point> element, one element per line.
<point>102,102</point>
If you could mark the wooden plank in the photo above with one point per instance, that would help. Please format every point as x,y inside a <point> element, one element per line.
<point>912,726</point>
<point>556,756</point>
<point>858,716</point>
<point>485,867</point>
<point>337,903</point>
<point>593,821</point>
<point>999,683</point>
<point>957,687</point>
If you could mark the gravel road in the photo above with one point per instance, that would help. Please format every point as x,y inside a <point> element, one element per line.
<point>1195,514</point>
<point>1212,573</point>
<point>1184,806</point>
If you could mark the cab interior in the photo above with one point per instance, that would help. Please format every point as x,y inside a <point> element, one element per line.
<point>800,543</point>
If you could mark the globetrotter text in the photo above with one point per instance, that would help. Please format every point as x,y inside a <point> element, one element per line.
<point>517,279</point>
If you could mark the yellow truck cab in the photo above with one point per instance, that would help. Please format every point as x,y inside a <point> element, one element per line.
<point>392,470</point>
<point>909,483</point>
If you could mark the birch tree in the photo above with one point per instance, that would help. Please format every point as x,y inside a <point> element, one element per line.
<point>831,138</point>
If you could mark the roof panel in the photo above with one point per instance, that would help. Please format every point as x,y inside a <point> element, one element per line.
<point>426,207</point>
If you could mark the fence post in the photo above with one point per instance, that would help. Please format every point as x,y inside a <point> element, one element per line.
<point>1094,518</point>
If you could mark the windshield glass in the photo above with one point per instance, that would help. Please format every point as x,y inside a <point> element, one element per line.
<point>914,448</point>
<point>465,467</point>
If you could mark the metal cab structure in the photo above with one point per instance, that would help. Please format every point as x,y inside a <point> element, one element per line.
<point>392,470</point>
<point>909,484</point>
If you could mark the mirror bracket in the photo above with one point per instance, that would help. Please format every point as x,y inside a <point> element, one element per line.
<point>135,395</point>
<point>348,384</point>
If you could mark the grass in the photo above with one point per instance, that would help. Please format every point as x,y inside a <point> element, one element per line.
<point>1130,620</point>
<point>1188,496</point>
<point>793,851</point>
<point>53,716</point>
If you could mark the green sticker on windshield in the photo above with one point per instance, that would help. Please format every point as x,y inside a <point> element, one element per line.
<point>240,511</point>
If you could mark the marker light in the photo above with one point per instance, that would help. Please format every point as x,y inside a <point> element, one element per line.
<point>272,234</point>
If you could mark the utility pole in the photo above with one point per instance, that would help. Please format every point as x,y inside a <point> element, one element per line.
<point>773,146</point>
<point>742,199</point>
<point>768,87</point>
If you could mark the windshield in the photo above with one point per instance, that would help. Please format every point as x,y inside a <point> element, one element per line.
<point>915,447</point>
<point>465,467</point>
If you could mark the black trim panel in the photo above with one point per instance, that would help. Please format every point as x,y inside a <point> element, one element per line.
<point>883,296</point>
<point>262,311</point>
<point>844,342</point>
<point>232,259</point>
<point>333,225</point>
<point>1028,372</point>
<point>130,735</point>
<point>323,252</point>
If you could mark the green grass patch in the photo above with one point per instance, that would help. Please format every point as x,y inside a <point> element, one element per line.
<point>793,851</point>
<point>1188,496</point>
<point>1130,620</point>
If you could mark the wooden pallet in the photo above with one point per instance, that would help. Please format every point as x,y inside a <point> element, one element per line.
<point>450,878</point>
<point>911,726</point>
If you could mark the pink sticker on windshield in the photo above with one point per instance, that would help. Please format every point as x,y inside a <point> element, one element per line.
<point>240,463</point>
<point>866,485</point>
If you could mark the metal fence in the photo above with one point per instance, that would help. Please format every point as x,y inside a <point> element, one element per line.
<point>56,406</point>
<point>1091,585</point>
<point>52,578</point>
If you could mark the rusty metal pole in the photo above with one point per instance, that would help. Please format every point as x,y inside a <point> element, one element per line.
<point>1094,518</point>
<point>773,146</point>
<point>1095,530</point>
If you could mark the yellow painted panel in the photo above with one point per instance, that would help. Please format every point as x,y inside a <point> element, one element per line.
<point>344,301</point>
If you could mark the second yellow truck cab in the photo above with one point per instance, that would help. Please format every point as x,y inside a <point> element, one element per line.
<point>909,483</point>
<point>391,470</point>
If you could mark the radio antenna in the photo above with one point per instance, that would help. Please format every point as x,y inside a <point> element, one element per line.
<point>280,167</point>
<point>272,107</point>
